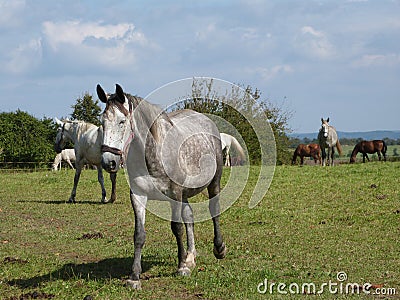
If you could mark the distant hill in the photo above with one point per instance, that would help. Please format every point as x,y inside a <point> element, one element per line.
<point>367,135</point>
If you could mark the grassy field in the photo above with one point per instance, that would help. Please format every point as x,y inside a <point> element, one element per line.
<point>313,223</point>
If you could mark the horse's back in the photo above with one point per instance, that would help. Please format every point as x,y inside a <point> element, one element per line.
<point>200,156</point>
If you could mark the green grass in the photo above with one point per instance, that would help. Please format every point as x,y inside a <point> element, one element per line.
<point>313,223</point>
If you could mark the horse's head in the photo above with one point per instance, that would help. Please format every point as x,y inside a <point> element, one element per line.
<point>325,127</point>
<point>61,140</point>
<point>117,127</point>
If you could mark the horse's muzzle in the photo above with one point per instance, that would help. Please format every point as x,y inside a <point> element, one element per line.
<point>111,158</point>
<point>57,148</point>
<point>110,162</point>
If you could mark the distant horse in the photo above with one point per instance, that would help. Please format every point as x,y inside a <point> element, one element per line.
<point>310,150</point>
<point>227,141</point>
<point>87,139</point>
<point>66,155</point>
<point>369,147</point>
<point>328,138</point>
<point>169,157</point>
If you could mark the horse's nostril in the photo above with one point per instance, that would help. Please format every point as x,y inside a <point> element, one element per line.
<point>113,165</point>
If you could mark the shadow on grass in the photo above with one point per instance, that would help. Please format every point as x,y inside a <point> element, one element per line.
<point>110,268</point>
<point>66,202</point>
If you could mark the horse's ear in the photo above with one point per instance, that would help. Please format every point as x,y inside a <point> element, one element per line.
<point>322,120</point>
<point>60,123</point>
<point>327,120</point>
<point>120,93</point>
<point>101,94</point>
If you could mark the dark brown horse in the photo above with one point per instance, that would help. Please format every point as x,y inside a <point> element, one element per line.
<point>369,147</point>
<point>310,150</point>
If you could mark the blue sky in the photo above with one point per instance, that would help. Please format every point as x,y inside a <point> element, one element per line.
<point>316,58</point>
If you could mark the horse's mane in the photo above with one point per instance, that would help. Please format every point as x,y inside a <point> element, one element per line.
<point>84,126</point>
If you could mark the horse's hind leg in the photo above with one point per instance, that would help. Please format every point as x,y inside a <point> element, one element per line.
<point>76,181</point>
<point>379,155</point>
<point>70,164</point>
<point>177,230</point>
<point>188,220</point>
<point>213,193</point>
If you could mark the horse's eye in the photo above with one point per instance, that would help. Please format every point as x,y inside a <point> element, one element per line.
<point>122,122</point>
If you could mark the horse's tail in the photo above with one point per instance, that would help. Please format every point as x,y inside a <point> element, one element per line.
<point>339,147</point>
<point>239,148</point>
<point>384,148</point>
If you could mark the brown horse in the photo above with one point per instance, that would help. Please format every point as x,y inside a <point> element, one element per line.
<point>369,147</point>
<point>310,150</point>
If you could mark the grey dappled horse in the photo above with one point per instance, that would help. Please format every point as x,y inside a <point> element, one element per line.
<point>328,138</point>
<point>87,139</point>
<point>169,157</point>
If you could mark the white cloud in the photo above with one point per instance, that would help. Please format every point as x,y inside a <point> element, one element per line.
<point>76,32</point>
<point>93,42</point>
<point>25,57</point>
<point>315,43</point>
<point>370,60</point>
<point>270,73</point>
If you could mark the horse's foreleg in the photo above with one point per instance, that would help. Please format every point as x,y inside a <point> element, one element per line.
<point>113,178</point>
<point>332,155</point>
<point>294,158</point>
<point>139,208</point>
<point>100,178</point>
<point>323,151</point>
<point>301,160</point>
<point>379,155</point>
<point>219,245</point>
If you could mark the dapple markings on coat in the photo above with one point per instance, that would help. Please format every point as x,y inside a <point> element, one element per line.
<point>168,157</point>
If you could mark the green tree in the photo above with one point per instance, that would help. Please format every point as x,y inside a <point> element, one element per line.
<point>205,100</point>
<point>25,139</point>
<point>86,109</point>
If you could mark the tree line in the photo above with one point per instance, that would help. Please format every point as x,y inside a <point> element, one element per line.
<point>26,140</point>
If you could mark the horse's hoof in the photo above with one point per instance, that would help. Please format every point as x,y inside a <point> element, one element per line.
<point>134,284</point>
<point>221,252</point>
<point>104,201</point>
<point>71,200</point>
<point>190,260</point>
<point>184,271</point>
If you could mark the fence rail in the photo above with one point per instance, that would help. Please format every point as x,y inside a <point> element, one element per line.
<point>11,166</point>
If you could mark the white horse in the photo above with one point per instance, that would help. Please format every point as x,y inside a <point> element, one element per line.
<point>227,141</point>
<point>67,155</point>
<point>328,138</point>
<point>87,139</point>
